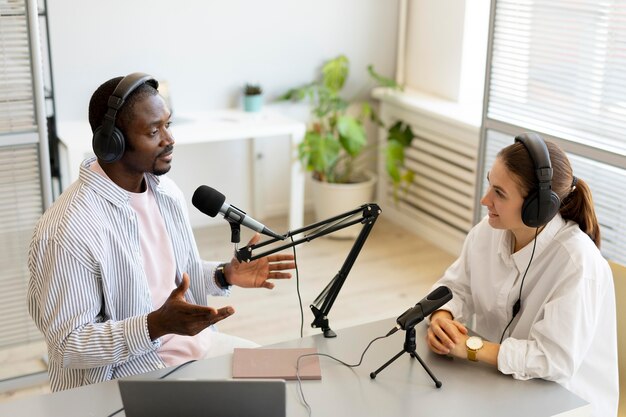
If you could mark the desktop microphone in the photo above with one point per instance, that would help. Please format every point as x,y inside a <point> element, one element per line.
<point>422,309</point>
<point>210,201</point>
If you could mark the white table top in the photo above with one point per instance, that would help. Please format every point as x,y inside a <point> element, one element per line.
<point>402,389</point>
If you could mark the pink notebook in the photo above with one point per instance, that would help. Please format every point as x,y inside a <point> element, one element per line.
<point>275,363</point>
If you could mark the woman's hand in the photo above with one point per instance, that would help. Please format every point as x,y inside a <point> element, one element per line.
<point>446,335</point>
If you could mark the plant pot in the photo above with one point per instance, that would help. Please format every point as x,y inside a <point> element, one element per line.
<point>330,200</point>
<point>253,103</point>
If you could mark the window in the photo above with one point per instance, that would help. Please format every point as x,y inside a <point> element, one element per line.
<point>557,67</point>
<point>24,168</point>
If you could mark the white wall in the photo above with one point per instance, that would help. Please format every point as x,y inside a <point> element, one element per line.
<point>446,50</point>
<point>208,49</point>
<point>434,41</point>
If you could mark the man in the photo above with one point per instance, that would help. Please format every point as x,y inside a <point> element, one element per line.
<point>117,286</point>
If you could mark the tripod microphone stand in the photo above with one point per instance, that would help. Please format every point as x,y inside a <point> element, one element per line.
<point>409,347</point>
<point>407,321</point>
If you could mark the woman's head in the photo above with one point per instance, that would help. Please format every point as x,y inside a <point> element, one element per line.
<point>576,201</point>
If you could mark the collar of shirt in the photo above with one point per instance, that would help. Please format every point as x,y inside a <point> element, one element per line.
<point>521,258</point>
<point>107,188</point>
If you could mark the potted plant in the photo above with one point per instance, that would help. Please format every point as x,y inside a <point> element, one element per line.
<point>252,97</point>
<point>336,138</point>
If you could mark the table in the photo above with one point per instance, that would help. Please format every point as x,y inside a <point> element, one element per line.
<point>402,389</point>
<point>207,127</point>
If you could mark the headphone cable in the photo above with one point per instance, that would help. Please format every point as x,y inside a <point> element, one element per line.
<point>518,304</point>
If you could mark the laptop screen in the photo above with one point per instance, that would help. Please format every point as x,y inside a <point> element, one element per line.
<point>190,398</point>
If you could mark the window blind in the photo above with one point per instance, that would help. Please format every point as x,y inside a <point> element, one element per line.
<point>17,109</point>
<point>556,67</point>
<point>20,208</point>
<point>24,179</point>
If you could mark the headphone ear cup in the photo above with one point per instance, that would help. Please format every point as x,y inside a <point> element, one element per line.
<point>108,149</point>
<point>535,214</point>
<point>553,208</point>
<point>530,210</point>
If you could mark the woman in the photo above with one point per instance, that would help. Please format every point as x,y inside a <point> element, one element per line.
<point>532,279</point>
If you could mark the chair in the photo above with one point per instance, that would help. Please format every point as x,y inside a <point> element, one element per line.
<point>619,279</point>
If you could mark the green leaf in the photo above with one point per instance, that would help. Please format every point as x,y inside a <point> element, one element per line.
<point>335,73</point>
<point>382,80</point>
<point>393,171</point>
<point>394,156</point>
<point>367,112</point>
<point>351,134</point>
<point>408,177</point>
<point>318,152</point>
<point>402,133</point>
<point>299,93</point>
<point>328,102</point>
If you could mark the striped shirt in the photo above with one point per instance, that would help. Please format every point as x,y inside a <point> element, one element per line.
<point>88,292</point>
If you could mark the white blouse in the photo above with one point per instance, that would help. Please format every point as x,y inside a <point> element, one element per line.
<point>566,328</point>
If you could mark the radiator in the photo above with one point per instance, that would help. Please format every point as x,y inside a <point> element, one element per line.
<point>439,204</point>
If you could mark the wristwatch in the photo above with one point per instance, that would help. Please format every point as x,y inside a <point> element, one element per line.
<point>220,277</point>
<point>473,345</point>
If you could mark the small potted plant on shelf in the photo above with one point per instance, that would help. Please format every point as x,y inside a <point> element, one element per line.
<point>335,140</point>
<point>252,97</point>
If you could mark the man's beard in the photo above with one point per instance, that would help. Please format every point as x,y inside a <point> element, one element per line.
<point>159,172</point>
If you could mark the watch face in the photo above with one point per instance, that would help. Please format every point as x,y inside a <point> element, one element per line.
<point>474,342</point>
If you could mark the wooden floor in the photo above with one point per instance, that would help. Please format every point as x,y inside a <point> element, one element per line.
<point>394,270</point>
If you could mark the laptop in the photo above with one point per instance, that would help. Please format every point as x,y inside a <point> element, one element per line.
<point>200,398</point>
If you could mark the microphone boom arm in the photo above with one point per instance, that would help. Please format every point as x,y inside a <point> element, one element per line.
<point>324,301</point>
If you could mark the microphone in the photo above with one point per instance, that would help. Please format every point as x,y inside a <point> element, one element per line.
<point>210,201</point>
<point>422,309</point>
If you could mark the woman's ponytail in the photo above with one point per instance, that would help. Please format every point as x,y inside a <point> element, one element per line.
<point>578,207</point>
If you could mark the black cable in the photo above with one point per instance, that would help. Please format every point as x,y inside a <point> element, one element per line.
<point>518,304</point>
<point>176,369</point>
<point>116,412</point>
<point>295,260</point>
<point>161,377</point>
<point>304,401</point>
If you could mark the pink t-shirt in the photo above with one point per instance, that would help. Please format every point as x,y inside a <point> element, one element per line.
<point>157,256</point>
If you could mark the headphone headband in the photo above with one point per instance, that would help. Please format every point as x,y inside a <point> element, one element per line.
<point>127,85</point>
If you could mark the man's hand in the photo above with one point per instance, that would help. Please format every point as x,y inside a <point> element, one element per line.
<point>255,274</point>
<point>446,335</point>
<point>177,316</point>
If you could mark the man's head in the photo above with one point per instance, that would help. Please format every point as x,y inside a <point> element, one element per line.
<point>141,123</point>
<point>111,102</point>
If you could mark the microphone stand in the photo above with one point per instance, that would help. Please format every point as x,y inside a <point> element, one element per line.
<point>235,231</point>
<point>323,303</point>
<point>409,347</point>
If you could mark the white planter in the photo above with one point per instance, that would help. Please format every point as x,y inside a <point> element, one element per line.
<point>333,199</point>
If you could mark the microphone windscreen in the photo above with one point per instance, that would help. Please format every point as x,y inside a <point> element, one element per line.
<point>208,200</point>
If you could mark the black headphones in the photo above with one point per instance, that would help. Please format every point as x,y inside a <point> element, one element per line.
<point>541,204</point>
<point>108,141</point>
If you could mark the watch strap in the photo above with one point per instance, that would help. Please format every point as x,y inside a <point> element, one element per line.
<point>220,277</point>
<point>471,355</point>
